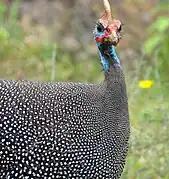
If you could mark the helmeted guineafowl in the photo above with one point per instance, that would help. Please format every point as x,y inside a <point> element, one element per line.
<point>67,130</point>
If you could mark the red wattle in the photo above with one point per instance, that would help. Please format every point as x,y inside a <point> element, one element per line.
<point>99,39</point>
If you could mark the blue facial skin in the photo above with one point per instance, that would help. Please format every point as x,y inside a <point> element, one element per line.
<point>111,50</point>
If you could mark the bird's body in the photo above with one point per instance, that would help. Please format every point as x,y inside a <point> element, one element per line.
<point>62,130</point>
<point>67,130</point>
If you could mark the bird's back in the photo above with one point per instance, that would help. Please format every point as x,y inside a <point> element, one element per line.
<point>60,130</point>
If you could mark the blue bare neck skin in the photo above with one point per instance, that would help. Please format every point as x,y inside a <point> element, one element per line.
<point>108,56</point>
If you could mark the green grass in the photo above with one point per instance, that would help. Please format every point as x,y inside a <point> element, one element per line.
<point>148,155</point>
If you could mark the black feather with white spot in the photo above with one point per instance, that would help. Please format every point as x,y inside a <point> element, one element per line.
<point>63,130</point>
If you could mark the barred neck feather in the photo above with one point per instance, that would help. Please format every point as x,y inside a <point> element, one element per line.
<point>110,62</point>
<point>108,56</point>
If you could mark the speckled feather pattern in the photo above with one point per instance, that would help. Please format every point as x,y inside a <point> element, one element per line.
<point>63,130</point>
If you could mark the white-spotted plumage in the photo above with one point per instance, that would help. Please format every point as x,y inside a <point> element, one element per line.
<point>63,130</point>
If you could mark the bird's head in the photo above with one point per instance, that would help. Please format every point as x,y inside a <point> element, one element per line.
<point>107,29</point>
<point>107,36</point>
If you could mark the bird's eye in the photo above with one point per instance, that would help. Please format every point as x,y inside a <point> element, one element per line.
<point>100,27</point>
<point>119,29</point>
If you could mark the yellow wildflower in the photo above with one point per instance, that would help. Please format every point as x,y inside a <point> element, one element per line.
<point>146,83</point>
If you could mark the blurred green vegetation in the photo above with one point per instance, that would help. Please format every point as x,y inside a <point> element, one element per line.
<point>148,156</point>
<point>26,54</point>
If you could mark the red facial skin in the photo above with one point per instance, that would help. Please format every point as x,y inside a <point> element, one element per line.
<point>111,33</point>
